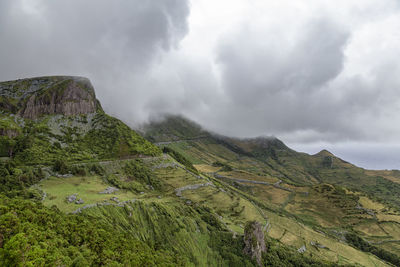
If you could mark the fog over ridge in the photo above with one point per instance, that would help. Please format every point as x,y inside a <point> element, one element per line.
<point>311,72</point>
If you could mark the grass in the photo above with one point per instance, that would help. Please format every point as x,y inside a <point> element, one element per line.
<point>393,229</point>
<point>393,247</point>
<point>388,218</point>
<point>393,175</point>
<point>163,224</point>
<point>78,138</point>
<point>371,228</point>
<point>87,188</point>
<point>270,194</point>
<point>175,177</point>
<point>234,210</point>
<point>206,168</point>
<point>242,174</point>
<point>298,234</point>
<point>328,208</point>
<point>370,204</point>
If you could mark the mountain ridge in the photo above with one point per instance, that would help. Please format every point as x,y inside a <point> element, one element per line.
<point>105,196</point>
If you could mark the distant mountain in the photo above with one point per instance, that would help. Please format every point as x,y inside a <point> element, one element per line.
<point>320,190</point>
<point>271,156</point>
<point>173,128</point>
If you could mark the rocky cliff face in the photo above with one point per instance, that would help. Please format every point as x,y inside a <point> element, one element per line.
<point>254,241</point>
<point>35,97</point>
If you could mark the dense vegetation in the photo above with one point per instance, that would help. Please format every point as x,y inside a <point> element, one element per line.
<point>32,235</point>
<point>136,176</point>
<point>47,140</point>
<point>15,181</point>
<point>360,243</point>
<point>112,138</point>
<point>174,128</point>
<point>180,158</point>
<point>280,256</point>
<point>224,166</point>
<point>96,239</point>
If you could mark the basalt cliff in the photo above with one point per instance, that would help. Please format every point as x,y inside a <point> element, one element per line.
<point>35,97</point>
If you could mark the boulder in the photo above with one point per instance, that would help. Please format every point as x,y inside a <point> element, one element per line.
<point>302,249</point>
<point>109,190</point>
<point>115,199</point>
<point>71,198</point>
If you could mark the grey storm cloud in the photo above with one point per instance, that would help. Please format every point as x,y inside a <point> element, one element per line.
<point>289,83</point>
<point>310,71</point>
<point>114,44</point>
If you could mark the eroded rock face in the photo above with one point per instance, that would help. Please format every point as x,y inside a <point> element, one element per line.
<point>32,98</point>
<point>254,241</point>
<point>72,98</point>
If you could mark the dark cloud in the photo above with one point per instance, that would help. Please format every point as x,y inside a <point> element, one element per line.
<point>281,87</point>
<point>305,72</point>
<point>114,44</point>
<point>81,35</point>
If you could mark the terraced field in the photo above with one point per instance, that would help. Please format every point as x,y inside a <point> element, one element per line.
<point>87,188</point>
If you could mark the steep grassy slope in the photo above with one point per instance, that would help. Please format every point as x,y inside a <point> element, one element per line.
<point>190,214</point>
<point>80,188</point>
<point>268,156</point>
<point>323,192</point>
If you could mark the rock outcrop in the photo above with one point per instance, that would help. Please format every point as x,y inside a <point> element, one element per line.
<point>72,198</point>
<point>254,241</point>
<point>35,97</point>
<point>109,190</point>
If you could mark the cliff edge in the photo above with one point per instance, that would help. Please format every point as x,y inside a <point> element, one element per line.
<point>34,97</point>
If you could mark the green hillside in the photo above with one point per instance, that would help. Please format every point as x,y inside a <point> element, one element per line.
<point>321,191</point>
<point>64,121</point>
<point>80,188</point>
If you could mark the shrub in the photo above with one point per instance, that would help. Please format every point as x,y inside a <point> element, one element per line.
<point>363,245</point>
<point>180,158</point>
<point>79,170</point>
<point>97,169</point>
<point>60,166</point>
<point>225,166</point>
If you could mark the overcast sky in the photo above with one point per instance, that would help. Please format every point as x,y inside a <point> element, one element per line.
<point>314,73</point>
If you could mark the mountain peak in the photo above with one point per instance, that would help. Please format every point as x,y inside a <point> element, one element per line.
<point>34,97</point>
<point>324,152</point>
<point>173,128</point>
